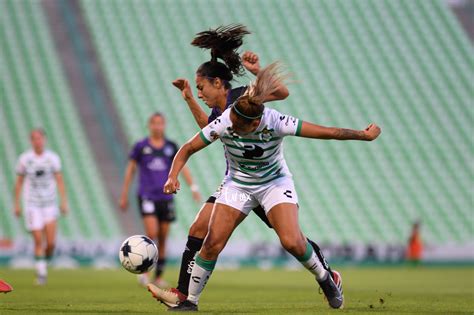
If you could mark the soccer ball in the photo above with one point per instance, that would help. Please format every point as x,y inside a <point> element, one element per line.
<point>138,254</point>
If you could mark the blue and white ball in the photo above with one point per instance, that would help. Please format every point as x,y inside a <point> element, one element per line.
<point>138,254</point>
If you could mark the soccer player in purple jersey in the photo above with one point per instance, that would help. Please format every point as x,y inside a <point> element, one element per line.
<point>153,156</point>
<point>214,88</point>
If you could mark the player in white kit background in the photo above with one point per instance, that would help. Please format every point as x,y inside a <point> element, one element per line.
<point>39,179</point>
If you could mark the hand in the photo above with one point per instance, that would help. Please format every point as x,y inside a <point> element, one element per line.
<point>372,132</point>
<point>184,87</point>
<point>196,196</point>
<point>251,62</point>
<point>17,211</point>
<point>172,185</point>
<point>123,202</point>
<point>64,207</point>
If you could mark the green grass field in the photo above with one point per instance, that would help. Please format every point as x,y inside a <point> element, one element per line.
<point>247,291</point>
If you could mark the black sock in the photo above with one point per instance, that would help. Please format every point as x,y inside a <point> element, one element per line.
<point>160,266</point>
<point>320,255</point>
<point>193,245</point>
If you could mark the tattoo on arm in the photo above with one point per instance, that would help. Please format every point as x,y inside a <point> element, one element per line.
<point>349,134</point>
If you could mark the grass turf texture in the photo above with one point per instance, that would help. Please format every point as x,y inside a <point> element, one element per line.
<point>387,290</point>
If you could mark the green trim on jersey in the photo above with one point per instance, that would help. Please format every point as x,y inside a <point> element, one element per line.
<point>298,128</point>
<point>255,183</point>
<point>250,140</point>
<point>203,137</point>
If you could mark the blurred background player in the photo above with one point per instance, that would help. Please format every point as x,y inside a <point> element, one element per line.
<point>39,177</point>
<point>153,156</point>
<point>213,82</point>
<point>415,245</point>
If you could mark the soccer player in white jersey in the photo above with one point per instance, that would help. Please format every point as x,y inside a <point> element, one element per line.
<point>39,178</point>
<point>252,136</point>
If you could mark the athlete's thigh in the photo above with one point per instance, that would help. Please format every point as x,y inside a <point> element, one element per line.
<point>201,221</point>
<point>150,222</point>
<point>224,220</point>
<point>284,219</point>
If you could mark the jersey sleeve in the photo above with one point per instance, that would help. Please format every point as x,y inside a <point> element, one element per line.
<point>57,166</point>
<point>135,153</point>
<point>20,166</point>
<point>286,125</point>
<point>213,131</point>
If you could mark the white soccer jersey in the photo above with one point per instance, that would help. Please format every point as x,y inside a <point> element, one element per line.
<point>39,189</point>
<point>256,158</point>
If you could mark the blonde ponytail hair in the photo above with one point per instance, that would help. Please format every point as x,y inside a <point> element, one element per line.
<point>268,80</point>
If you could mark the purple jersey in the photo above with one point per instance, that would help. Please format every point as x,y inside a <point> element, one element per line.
<point>233,95</point>
<point>154,165</point>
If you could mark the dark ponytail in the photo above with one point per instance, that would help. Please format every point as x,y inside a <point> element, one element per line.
<point>223,43</point>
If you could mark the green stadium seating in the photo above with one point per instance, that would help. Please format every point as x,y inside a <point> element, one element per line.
<point>35,93</point>
<point>404,64</point>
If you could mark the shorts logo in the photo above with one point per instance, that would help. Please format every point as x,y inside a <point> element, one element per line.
<point>288,194</point>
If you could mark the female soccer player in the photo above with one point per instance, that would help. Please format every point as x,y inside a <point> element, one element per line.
<point>214,88</point>
<point>153,156</point>
<point>252,136</point>
<point>39,173</point>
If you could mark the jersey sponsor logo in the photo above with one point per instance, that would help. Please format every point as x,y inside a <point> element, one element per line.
<point>254,167</point>
<point>157,164</point>
<point>252,151</point>
<point>40,172</point>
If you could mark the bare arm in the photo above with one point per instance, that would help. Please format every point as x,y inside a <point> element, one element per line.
<point>129,173</point>
<point>251,62</point>
<point>18,187</point>
<point>194,187</point>
<point>62,192</point>
<point>194,145</point>
<point>309,130</point>
<point>199,115</point>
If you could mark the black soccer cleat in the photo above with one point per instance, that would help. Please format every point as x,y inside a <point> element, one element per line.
<point>332,292</point>
<point>186,306</point>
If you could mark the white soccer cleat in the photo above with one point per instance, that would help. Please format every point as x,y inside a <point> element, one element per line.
<point>170,298</point>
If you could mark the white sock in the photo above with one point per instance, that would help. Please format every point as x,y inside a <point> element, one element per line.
<point>41,267</point>
<point>202,270</point>
<point>311,262</point>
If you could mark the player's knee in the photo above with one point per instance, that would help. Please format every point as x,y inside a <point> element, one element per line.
<point>198,229</point>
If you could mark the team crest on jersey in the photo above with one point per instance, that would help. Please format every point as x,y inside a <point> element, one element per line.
<point>168,150</point>
<point>147,150</point>
<point>266,134</point>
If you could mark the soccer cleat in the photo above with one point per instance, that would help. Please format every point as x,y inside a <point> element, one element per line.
<point>40,280</point>
<point>170,298</point>
<point>5,287</point>
<point>336,276</point>
<point>161,283</point>
<point>185,306</point>
<point>332,292</point>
